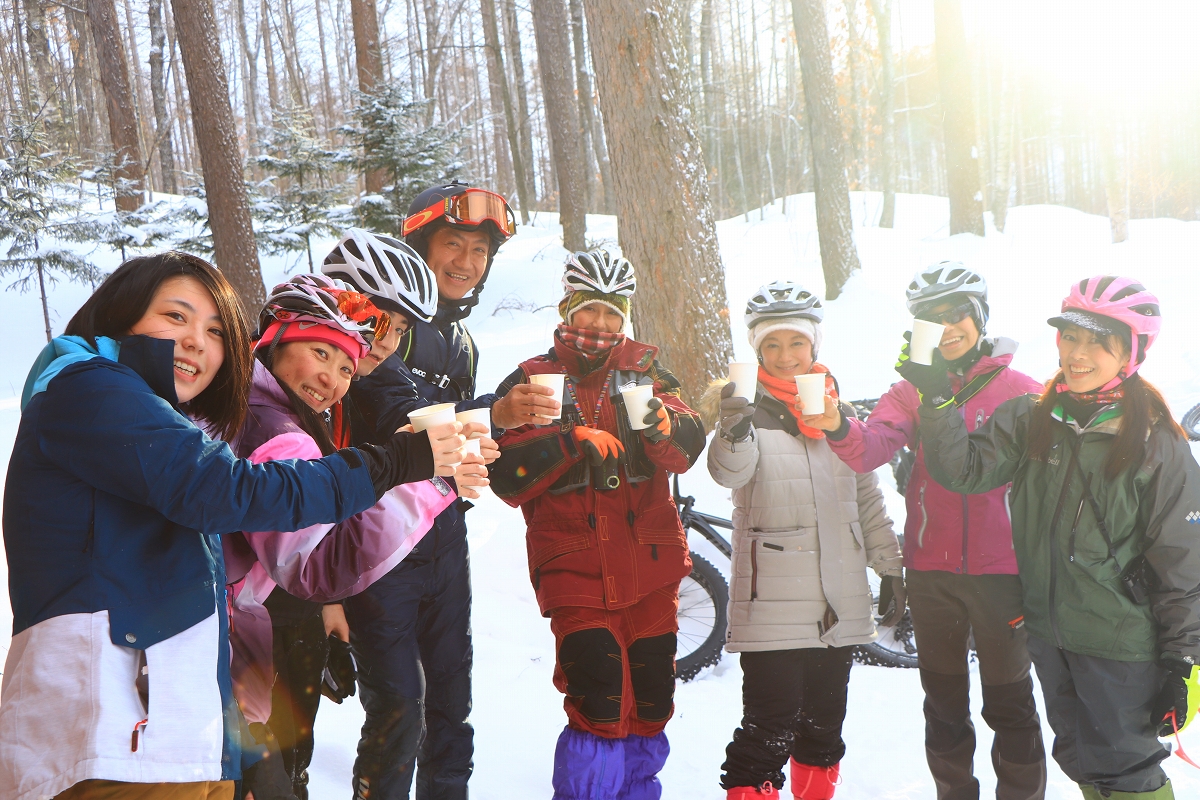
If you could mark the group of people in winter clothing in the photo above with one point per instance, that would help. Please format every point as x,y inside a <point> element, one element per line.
<point>209,527</point>
<point>1048,524</point>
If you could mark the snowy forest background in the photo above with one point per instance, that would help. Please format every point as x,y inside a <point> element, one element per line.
<point>291,119</point>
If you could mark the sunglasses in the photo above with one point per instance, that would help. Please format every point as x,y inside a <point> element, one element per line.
<point>950,316</point>
<point>472,207</point>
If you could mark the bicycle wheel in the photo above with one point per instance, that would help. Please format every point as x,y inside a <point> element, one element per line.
<point>895,646</point>
<point>703,598</point>
<point>1191,423</point>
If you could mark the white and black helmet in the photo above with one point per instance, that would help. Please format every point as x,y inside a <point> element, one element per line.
<point>599,271</point>
<point>386,269</point>
<point>947,280</point>
<point>781,300</point>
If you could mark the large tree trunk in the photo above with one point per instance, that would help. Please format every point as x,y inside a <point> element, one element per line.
<point>498,82</point>
<point>665,221</point>
<point>512,41</point>
<point>368,58</point>
<point>835,225</point>
<point>43,70</point>
<point>553,34</point>
<point>158,90</point>
<point>118,94</point>
<point>958,119</point>
<point>216,138</point>
<point>882,10</point>
<point>81,74</point>
<point>593,131</point>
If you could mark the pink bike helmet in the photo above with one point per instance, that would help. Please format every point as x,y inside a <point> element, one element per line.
<point>1108,304</point>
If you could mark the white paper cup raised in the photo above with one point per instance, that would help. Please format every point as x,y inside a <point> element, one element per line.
<point>926,336</point>
<point>811,389</point>
<point>555,381</point>
<point>637,404</point>
<point>429,416</point>
<point>481,415</point>
<point>472,446</point>
<point>744,377</point>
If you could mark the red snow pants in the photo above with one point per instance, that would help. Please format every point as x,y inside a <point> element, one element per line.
<point>617,668</point>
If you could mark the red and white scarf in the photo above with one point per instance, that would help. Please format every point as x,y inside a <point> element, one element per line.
<point>784,390</point>
<point>590,343</point>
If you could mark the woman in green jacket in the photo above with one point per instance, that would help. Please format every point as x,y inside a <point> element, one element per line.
<point>1106,521</point>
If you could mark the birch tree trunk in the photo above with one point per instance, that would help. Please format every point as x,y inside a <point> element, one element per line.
<point>158,92</point>
<point>593,130</point>
<point>665,221</point>
<point>882,10</point>
<point>958,119</point>
<point>220,158</point>
<point>498,88</point>
<point>835,225</point>
<point>553,35</point>
<point>512,40</point>
<point>118,95</point>
<point>369,60</point>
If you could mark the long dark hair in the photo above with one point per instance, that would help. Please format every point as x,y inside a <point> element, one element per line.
<point>125,295</point>
<point>1142,406</point>
<point>313,423</point>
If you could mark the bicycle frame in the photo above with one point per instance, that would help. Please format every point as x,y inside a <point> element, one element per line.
<point>705,524</point>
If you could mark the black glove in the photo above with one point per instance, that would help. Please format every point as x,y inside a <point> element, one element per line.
<point>736,414</point>
<point>339,679</point>
<point>404,458</point>
<point>658,420</point>
<point>933,381</point>
<point>892,599</point>
<point>1173,696</point>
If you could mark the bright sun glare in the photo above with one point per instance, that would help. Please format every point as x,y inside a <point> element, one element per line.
<point>1120,52</point>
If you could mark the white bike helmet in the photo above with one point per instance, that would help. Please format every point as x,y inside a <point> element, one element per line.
<point>386,269</point>
<point>935,284</point>
<point>599,271</point>
<point>780,300</point>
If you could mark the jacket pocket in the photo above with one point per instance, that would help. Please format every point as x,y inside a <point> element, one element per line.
<point>859,541</point>
<point>659,524</point>
<point>549,540</point>
<point>924,515</point>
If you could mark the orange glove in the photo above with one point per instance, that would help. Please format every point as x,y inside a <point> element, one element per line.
<point>598,445</point>
<point>659,421</point>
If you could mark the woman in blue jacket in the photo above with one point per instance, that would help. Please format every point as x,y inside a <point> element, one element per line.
<point>118,672</point>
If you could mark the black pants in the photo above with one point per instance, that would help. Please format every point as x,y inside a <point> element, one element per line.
<point>411,634</point>
<point>793,703</point>
<point>299,651</point>
<point>1100,712</point>
<point>947,609</point>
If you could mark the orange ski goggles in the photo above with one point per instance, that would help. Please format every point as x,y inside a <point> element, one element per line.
<point>471,207</point>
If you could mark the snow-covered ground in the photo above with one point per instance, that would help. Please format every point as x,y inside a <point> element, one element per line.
<point>517,713</point>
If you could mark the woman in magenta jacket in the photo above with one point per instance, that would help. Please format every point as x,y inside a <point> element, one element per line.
<point>961,571</point>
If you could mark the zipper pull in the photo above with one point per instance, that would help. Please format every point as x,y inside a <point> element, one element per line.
<point>133,744</point>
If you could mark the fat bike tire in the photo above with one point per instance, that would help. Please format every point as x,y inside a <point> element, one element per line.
<point>702,615</point>
<point>895,647</point>
<point>1191,423</point>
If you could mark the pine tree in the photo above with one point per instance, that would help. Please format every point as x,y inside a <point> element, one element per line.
<point>38,215</point>
<point>146,226</point>
<point>392,136</point>
<point>306,195</point>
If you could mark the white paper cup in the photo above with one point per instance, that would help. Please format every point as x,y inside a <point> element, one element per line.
<point>926,336</point>
<point>472,446</point>
<point>481,415</point>
<point>555,381</point>
<point>744,377</point>
<point>637,404</point>
<point>811,389</point>
<point>430,416</point>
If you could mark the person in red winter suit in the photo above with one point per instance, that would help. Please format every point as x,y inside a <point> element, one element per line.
<point>606,548</point>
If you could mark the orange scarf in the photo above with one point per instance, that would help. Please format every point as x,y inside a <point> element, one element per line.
<point>784,390</point>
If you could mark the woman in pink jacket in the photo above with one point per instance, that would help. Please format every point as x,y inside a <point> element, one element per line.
<point>961,572</point>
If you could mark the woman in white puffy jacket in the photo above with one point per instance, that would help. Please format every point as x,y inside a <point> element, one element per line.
<point>806,528</point>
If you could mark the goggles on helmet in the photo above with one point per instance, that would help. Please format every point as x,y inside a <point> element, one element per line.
<point>359,308</point>
<point>471,207</point>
